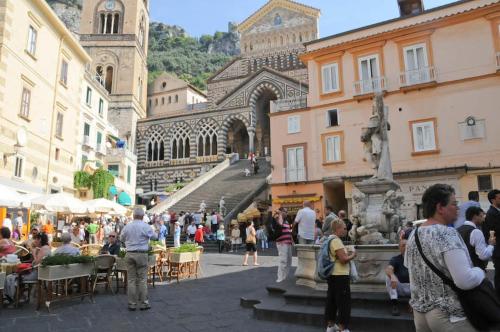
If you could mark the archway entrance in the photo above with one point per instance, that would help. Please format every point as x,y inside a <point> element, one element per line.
<point>237,139</point>
<point>262,141</point>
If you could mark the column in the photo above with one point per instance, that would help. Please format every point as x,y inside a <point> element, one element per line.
<point>251,138</point>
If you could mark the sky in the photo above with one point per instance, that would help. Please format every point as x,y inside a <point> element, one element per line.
<point>200,17</point>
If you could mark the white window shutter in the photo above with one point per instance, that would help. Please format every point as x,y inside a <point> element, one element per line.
<point>326,79</point>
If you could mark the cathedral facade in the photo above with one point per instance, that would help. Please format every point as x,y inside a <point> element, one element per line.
<point>235,118</point>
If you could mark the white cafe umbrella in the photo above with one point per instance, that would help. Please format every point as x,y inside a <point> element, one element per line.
<point>11,198</point>
<point>102,205</point>
<point>60,202</point>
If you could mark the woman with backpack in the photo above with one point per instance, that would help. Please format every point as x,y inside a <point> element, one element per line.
<point>338,298</point>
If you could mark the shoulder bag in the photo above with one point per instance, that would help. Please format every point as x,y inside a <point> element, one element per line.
<point>480,304</point>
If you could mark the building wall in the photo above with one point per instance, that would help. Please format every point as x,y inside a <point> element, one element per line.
<point>461,50</point>
<point>40,73</point>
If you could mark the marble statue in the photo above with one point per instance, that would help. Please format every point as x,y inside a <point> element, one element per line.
<point>376,142</point>
<point>392,210</point>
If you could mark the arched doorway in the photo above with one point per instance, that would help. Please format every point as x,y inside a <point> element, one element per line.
<point>262,141</point>
<point>237,139</point>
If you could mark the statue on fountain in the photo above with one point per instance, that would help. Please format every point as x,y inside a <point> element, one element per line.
<point>377,214</point>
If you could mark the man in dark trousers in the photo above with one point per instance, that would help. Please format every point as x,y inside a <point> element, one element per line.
<point>492,227</point>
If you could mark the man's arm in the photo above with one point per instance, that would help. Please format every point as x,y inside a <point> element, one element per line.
<point>483,251</point>
<point>389,271</point>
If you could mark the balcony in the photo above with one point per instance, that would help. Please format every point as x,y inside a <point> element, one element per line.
<point>101,149</point>
<point>295,175</point>
<point>283,105</point>
<point>118,154</point>
<point>86,141</point>
<point>498,61</point>
<point>370,86</point>
<point>418,78</point>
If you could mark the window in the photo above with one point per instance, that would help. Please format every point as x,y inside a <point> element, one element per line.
<point>332,118</point>
<point>332,146</point>
<point>141,32</point>
<point>180,142</point>
<point>108,84</point>
<point>170,99</point>
<point>129,174</point>
<point>88,97</point>
<point>294,124</point>
<point>99,138</point>
<point>176,98</point>
<point>32,36</point>
<point>424,136</point>
<point>163,100</point>
<point>19,167</point>
<point>114,170</point>
<point>64,73</point>
<point>368,75</point>
<point>101,107</point>
<point>207,139</point>
<point>416,64</point>
<point>86,130</point>
<point>59,124</point>
<point>156,101</point>
<point>84,161</point>
<point>109,23</point>
<point>25,103</point>
<point>295,170</point>
<point>58,152</point>
<point>330,78</point>
<point>155,148</point>
<point>484,182</point>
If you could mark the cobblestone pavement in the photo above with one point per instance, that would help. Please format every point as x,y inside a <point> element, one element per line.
<point>210,303</point>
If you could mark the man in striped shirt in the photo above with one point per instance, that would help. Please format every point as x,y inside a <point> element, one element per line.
<point>284,244</point>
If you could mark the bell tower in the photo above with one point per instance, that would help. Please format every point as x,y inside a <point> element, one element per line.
<point>115,34</point>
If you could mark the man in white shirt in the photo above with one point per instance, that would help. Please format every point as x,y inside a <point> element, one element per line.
<point>480,252</point>
<point>191,230</point>
<point>7,222</point>
<point>306,219</point>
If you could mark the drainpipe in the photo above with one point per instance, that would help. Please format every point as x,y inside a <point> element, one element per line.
<point>54,101</point>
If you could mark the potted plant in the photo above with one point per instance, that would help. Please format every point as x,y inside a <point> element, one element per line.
<point>59,267</point>
<point>121,264</point>
<point>187,252</point>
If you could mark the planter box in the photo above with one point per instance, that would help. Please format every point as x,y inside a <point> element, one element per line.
<point>185,257</point>
<point>58,272</point>
<point>121,263</point>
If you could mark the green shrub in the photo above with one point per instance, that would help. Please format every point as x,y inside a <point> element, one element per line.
<point>66,260</point>
<point>186,247</point>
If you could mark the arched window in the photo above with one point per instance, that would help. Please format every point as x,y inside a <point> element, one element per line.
<point>207,139</point>
<point>170,99</point>
<point>116,23</point>
<point>109,79</point>
<point>155,146</point>
<point>281,40</point>
<point>141,35</point>
<point>163,100</point>
<point>156,101</point>
<point>180,142</point>
<point>176,98</point>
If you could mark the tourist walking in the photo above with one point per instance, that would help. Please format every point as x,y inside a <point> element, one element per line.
<point>250,242</point>
<point>479,251</point>
<point>136,236</point>
<point>306,220</point>
<point>262,237</point>
<point>93,228</point>
<point>214,222</point>
<point>235,239</point>
<point>435,305</point>
<point>491,228</point>
<point>199,235</point>
<point>338,296</point>
<point>177,234</point>
<point>284,243</point>
<point>221,238</point>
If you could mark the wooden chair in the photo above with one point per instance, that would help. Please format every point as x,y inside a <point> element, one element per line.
<point>91,249</point>
<point>103,271</point>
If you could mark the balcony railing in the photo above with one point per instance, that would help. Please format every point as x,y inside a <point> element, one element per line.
<point>498,60</point>
<point>86,140</point>
<point>121,153</point>
<point>182,161</point>
<point>101,148</point>
<point>282,105</point>
<point>418,76</point>
<point>373,85</point>
<point>295,175</point>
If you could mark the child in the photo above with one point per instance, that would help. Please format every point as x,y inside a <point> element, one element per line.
<point>262,237</point>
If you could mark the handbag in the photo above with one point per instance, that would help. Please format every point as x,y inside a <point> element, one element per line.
<point>480,304</point>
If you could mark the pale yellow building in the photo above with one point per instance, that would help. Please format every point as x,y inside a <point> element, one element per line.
<point>169,95</point>
<point>41,71</point>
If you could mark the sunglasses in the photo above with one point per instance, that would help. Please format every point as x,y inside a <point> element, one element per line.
<point>111,236</point>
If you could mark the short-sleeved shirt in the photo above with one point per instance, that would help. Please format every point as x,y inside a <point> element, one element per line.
<point>93,228</point>
<point>400,270</point>
<point>428,291</point>
<point>306,218</point>
<point>339,269</point>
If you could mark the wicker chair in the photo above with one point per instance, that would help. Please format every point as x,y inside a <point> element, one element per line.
<point>103,271</point>
<point>24,285</point>
<point>21,251</point>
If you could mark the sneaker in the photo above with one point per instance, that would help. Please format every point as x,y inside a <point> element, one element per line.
<point>145,307</point>
<point>395,310</point>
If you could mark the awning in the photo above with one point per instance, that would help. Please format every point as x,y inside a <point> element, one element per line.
<point>112,191</point>
<point>124,199</point>
<point>296,199</point>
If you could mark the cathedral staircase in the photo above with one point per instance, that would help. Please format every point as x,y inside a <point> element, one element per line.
<point>238,190</point>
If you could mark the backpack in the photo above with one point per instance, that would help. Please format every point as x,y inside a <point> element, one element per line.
<point>274,229</point>
<point>324,265</point>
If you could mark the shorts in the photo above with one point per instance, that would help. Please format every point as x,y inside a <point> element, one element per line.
<point>251,247</point>
<point>191,236</point>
